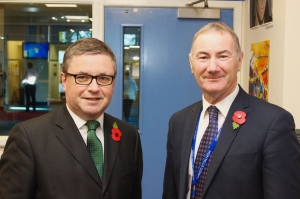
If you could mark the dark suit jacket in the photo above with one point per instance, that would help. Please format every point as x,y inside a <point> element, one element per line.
<point>259,160</point>
<point>46,158</point>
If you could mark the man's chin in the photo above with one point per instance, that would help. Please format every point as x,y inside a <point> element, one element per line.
<point>92,109</point>
<point>214,88</point>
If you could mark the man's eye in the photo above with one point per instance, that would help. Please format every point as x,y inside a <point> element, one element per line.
<point>224,57</point>
<point>104,78</point>
<point>203,58</point>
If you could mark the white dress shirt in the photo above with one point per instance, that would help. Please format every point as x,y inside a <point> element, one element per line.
<point>223,107</point>
<point>80,123</point>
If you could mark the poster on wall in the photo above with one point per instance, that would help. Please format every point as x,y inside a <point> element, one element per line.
<point>260,12</point>
<point>259,70</point>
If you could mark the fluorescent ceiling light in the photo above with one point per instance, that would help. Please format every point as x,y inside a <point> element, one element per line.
<point>136,58</point>
<point>77,17</point>
<point>61,5</point>
<point>31,9</point>
<point>134,46</point>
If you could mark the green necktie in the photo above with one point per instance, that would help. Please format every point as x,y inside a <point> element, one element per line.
<point>94,145</point>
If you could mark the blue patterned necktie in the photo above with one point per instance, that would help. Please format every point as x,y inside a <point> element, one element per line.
<point>94,145</point>
<point>208,136</point>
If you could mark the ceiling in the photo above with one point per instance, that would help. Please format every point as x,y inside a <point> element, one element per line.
<point>40,13</point>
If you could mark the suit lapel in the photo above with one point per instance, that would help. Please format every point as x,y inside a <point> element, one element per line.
<point>111,150</point>
<point>189,130</point>
<point>70,137</point>
<point>226,137</point>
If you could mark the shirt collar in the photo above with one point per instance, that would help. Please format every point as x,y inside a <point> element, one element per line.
<point>223,104</point>
<point>80,122</point>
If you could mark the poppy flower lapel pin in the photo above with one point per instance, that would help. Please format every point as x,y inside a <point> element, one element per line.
<point>116,133</point>
<point>239,117</point>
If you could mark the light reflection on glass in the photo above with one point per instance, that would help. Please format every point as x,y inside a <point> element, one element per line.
<point>131,75</point>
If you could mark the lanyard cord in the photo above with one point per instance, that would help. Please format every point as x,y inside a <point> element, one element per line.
<point>197,174</point>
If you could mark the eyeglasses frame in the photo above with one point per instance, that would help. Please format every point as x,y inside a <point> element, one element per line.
<point>93,77</point>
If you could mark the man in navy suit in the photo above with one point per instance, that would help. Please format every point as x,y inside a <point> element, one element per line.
<point>254,154</point>
<point>48,158</point>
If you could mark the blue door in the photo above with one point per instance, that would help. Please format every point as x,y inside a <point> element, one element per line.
<point>166,82</point>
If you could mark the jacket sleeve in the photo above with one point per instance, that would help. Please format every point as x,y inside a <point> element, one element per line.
<point>17,176</point>
<point>169,185</point>
<point>281,159</point>
<point>139,171</point>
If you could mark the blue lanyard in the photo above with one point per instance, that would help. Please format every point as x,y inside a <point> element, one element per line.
<point>196,176</point>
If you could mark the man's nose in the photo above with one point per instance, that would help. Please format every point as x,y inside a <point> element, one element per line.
<point>94,85</point>
<point>213,64</point>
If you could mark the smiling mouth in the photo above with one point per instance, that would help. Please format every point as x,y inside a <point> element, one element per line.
<point>213,78</point>
<point>93,99</point>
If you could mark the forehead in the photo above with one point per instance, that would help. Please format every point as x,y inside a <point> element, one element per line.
<point>85,60</point>
<point>214,40</point>
<point>92,62</point>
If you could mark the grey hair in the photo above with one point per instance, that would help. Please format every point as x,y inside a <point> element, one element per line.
<point>219,27</point>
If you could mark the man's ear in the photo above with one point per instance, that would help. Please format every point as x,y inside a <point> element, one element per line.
<point>63,79</point>
<point>190,60</point>
<point>241,57</point>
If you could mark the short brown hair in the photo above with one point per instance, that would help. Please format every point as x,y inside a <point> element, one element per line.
<point>87,46</point>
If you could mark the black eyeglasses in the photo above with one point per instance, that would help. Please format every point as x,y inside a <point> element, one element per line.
<point>85,79</point>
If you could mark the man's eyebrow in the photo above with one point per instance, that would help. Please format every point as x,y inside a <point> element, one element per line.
<point>104,74</point>
<point>85,73</point>
<point>202,52</point>
<point>218,53</point>
<point>82,73</point>
<point>224,51</point>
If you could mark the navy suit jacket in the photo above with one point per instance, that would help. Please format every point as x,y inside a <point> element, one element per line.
<point>259,160</point>
<point>46,158</point>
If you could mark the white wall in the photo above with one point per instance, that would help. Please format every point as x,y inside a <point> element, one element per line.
<point>2,144</point>
<point>283,33</point>
<point>291,72</point>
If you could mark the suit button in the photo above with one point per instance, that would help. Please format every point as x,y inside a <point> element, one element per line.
<point>105,194</point>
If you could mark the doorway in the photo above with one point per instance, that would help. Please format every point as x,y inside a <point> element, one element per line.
<point>166,82</point>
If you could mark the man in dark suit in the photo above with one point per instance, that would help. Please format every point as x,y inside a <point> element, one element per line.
<point>254,152</point>
<point>49,157</point>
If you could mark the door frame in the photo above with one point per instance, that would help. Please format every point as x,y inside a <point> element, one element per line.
<point>236,6</point>
<point>156,89</point>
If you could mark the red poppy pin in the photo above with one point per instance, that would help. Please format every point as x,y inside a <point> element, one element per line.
<point>239,117</point>
<point>116,133</point>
